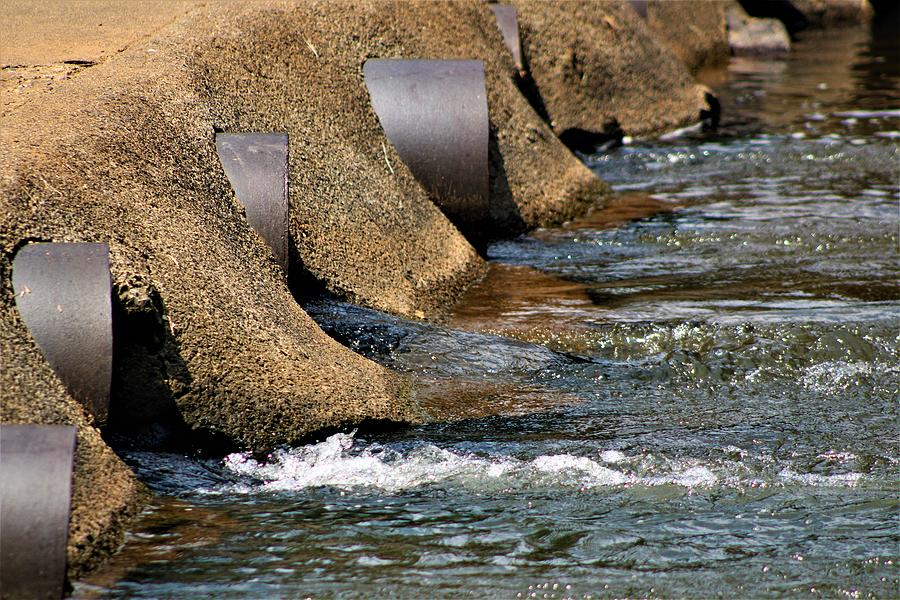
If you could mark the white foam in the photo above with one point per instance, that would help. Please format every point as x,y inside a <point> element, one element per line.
<point>612,456</point>
<point>577,470</point>
<point>869,114</point>
<point>817,480</point>
<point>677,133</point>
<point>832,377</point>
<point>691,477</point>
<point>340,462</point>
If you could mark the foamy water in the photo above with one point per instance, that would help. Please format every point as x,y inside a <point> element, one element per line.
<point>343,463</point>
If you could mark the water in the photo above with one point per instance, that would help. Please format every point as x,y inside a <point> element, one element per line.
<point>699,402</point>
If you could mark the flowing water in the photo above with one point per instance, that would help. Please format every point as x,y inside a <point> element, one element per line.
<point>692,393</point>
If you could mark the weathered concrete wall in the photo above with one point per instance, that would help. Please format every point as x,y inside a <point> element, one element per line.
<point>694,31</point>
<point>596,64</point>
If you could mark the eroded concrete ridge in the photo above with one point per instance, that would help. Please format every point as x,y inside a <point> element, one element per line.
<point>694,31</point>
<point>376,213</point>
<point>110,138</point>
<point>597,67</point>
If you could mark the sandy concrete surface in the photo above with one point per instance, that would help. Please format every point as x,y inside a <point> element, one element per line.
<point>598,68</point>
<point>694,31</point>
<point>54,31</point>
<point>45,43</point>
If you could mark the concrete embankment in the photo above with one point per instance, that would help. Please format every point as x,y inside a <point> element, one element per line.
<point>694,31</point>
<point>598,71</point>
<point>361,223</point>
<point>114,141</point>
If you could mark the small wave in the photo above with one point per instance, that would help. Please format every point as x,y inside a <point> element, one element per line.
<point>821,357</point>
<point>344,463</point>
<point>834,376</point>
<point>815,479</point>
<point>869,114</point>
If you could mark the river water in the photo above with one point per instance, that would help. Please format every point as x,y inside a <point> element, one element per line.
<point>692,393</point>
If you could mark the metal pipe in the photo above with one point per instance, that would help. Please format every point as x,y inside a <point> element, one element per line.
<point>256,164</point>
<point>63,295</point>
<point>435,114</point>
<point>505,14</point>
<point>35,497</point>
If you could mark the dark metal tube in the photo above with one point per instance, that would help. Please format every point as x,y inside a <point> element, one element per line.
<point>35,496</point>
<point>435,114</point>
<point>257,167</point>
<point>63,293</point>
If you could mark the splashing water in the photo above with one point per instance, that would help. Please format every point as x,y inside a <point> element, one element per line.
<point>343,463</point>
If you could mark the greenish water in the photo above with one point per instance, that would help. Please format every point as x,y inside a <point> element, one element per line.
<point>699,403</point>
